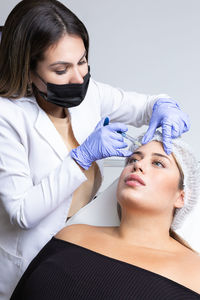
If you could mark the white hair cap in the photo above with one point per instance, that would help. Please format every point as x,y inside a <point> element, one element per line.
<point>191,170</point>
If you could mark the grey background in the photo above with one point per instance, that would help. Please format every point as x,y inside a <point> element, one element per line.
<point>147,46</point>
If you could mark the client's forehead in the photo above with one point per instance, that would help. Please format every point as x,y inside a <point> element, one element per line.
<point>154,148</point>
<point>151,147</point>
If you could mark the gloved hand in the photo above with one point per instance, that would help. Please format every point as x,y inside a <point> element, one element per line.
<point>167,114</point>
<point>103,142</point>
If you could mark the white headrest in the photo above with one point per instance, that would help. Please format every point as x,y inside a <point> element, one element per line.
<point>102,211</point>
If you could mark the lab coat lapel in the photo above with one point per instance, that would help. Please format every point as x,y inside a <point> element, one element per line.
<point>82,124</point>
<point>47,130</point>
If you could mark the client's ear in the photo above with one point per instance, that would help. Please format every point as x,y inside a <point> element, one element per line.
<point>180,199</point>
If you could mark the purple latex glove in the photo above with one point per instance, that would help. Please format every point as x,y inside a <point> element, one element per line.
<point>167,114</point>
<point>103,142</point>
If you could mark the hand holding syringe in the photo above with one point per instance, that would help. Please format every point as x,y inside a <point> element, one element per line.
<point>125,135</point>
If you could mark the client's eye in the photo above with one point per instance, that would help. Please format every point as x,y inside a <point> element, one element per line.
<point>159,164</point>
<point>132,160</point>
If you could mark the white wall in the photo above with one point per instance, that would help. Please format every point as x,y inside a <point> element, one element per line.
<point>5,8</point>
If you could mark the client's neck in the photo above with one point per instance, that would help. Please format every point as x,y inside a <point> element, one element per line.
<point>145,231</point>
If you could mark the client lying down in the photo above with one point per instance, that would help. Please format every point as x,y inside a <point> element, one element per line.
<point>143,258</point>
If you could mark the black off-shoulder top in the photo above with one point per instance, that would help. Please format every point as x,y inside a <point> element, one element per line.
<point>65,271</point>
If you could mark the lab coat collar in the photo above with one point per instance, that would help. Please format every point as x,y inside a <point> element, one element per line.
<point>47,130</point>
<point>28,99</point>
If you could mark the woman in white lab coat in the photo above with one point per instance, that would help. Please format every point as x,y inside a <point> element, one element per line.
<point>51,129</point>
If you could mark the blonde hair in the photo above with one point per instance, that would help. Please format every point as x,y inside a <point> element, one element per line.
<point>180,240</point>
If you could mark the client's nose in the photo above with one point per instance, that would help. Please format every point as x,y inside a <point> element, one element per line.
<point>137,166</point>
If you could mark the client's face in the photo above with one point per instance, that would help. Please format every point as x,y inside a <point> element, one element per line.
<point>150,181</point>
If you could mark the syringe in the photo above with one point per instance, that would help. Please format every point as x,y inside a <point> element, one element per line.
<point>130,138</point>
<point>125,135</point>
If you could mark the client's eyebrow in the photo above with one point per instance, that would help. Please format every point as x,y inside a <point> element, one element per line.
<point>141,154</point>
<point>161,155</point>
<point>138,153</point>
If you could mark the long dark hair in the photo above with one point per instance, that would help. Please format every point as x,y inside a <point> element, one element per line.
<point>30,29</point>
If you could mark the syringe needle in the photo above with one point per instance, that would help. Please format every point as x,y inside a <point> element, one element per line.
<point>130,138</point>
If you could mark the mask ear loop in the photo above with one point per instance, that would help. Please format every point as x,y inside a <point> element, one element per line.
<point>36,90</point>
<point>43,81</point>
<point>29,87</point>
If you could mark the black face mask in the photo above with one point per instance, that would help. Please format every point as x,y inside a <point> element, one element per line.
<point>66,95</point>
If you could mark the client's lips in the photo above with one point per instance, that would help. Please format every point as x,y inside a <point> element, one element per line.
<point>134,179</point>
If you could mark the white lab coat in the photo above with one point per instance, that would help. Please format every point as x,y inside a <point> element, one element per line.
<point>37,174</point>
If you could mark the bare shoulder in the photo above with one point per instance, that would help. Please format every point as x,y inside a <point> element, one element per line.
<point>76,233</point>
<point>196,263</point>
<point>73,231</point>
<point>192,271</point>
<point>196,274</point>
